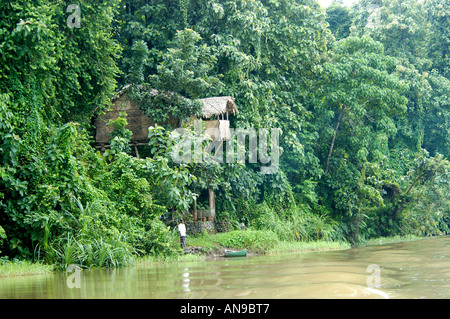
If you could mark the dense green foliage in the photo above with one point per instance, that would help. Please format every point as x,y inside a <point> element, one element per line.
<point>361,97</point>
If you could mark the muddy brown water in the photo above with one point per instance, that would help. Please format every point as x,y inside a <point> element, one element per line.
<point>417,269</point>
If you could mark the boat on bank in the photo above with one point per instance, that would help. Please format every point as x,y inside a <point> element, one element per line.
<point>232,253</point>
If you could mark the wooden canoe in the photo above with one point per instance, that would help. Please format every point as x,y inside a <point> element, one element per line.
<point>232,253</point>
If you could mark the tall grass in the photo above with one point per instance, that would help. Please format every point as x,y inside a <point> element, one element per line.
<point>150,259</point>
<point>255,240</point>
<point>98,253</point>
<point>390,240</point>
<point>296,246</point>
<point>23,268</point>
<point>297,224</point>
<point>261,241</point>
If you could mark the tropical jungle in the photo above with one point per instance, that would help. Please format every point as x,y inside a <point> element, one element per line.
<point>360,96</point>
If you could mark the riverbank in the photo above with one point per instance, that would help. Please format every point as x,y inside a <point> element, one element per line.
<point>23,268</point>
<point>390,240</point>
<point>209,246</point>
<point>204,248</point>
<point>406,270</point>
<point>200,248</point>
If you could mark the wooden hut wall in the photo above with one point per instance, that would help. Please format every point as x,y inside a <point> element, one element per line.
<point>138,121</point>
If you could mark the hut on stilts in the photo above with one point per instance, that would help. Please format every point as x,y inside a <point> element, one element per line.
<point>215,114</point>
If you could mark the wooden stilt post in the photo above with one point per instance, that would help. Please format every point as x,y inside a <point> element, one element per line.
<point>212,203</point>
<point>136,150</point>
<point>194,213</point>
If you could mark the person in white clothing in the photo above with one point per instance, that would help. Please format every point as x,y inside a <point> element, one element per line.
<point>182,230</point>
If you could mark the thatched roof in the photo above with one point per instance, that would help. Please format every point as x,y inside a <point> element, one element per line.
<point>214,106</point>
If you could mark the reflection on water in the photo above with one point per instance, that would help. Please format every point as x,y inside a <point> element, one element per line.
<point>186,280</point>
<point>419,269</point>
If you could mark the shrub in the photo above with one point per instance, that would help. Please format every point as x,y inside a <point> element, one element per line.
<point>297,223</point>
<point>2,237</point>
<point>268,219</point>
<point>157,239</point>
<point>113,251</point>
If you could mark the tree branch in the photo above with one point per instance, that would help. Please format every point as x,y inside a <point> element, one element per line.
<point>417,179</point>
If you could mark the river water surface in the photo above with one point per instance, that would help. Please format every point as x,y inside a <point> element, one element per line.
<point>417,269</point>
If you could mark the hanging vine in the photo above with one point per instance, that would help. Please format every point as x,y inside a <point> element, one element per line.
<point>184,11</point>
<point>162,106</point>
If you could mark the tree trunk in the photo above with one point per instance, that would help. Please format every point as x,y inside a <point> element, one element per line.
<point>356,231</point>
<point>194,213</point>
<point>415,181</point>
<point>212,203</point>
<point>333,139</point>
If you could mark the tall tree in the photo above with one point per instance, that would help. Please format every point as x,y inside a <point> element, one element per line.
<point>439,19</point>
<point>361,84</point>
<point>55,69</point>
<point>70,69</point>
<point>416,33</point>
<point>339,19</point>
<point>359,97</point>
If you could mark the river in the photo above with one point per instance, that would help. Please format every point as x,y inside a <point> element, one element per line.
<point>416,269</point>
